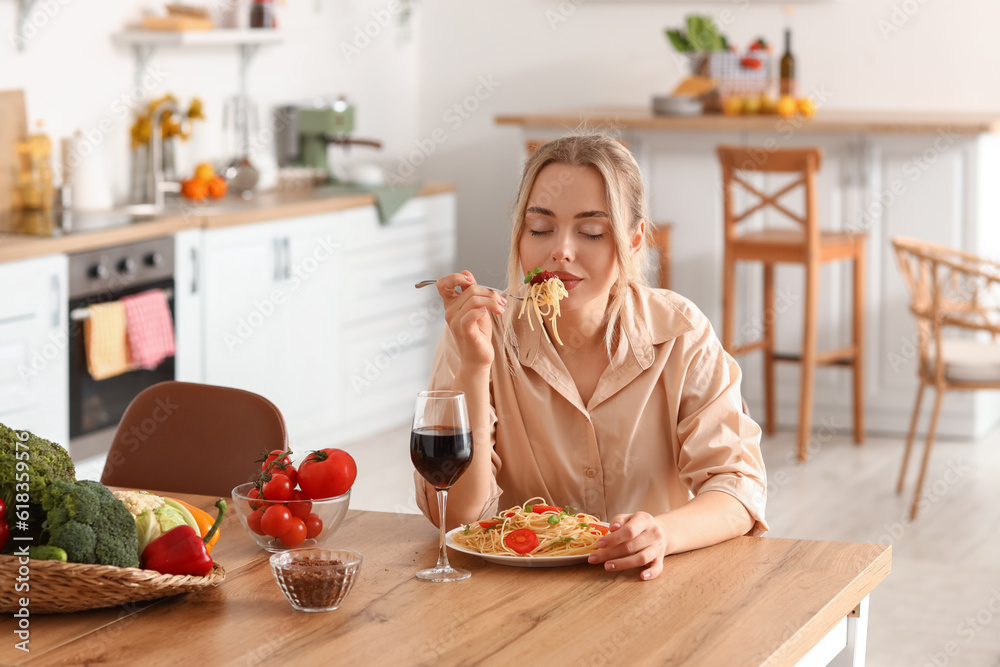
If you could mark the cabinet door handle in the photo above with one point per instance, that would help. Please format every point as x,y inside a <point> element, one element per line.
<point>194,270</point>
<point>277,260</point>
<point>57,300</point>
<point>288,258</point>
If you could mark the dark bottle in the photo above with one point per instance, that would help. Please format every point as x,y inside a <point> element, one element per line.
<point>788,67</point>
<point>262,14</point>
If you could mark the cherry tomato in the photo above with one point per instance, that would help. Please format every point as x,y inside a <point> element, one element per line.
<point>253,521</point>
<point>296,533</point>
<point>288,471</point>
<point>299,504</point>
<point>276,520</point>
<point>521,541</point>
<point>254,493</point>
<point>279,488</point>
<point>314,525</point>
<point>275,453</point>
<point>327,473</point>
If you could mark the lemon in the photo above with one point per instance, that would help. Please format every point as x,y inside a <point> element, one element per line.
<point>204,172</point>
<point>768,104</point>
<point>807,107</point>
<point>787,106</point>
<point>751,105</point>
<point>732,105</point>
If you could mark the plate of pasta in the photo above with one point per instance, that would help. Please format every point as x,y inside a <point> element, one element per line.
<point>535,534</point>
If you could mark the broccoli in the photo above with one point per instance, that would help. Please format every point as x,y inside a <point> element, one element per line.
<point>93,526</point>
<point>45,462</point>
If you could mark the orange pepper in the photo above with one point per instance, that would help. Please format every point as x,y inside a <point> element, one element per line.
<point>205,521</point>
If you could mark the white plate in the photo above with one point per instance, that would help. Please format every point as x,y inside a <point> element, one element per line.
<point>516,561</point>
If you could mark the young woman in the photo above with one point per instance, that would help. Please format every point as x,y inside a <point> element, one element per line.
<point>636,417</point>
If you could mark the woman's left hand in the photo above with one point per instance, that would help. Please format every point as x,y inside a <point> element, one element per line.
<point>634,540</point>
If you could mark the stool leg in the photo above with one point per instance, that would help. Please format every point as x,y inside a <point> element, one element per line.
<point>927,452</point>
<point>770,316</point>
<point>909,438</point>
<point>859,345</point>
<point>808,358</point>
<point>728,301</point>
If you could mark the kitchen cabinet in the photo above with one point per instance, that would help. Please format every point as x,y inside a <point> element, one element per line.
<point>188,270</point>
<point>34,347</point>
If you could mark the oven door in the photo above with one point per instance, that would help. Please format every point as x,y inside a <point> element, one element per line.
<point>96,405</point>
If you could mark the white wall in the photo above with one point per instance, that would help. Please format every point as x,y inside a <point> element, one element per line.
<point>72,73</point>
<point>944,56</point>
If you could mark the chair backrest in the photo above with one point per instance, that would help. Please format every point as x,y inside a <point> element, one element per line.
<point>739,160</point>
<point>193,438</point>
<point>948,287</point>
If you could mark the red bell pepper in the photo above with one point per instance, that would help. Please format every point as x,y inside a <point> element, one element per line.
<point>181,550</point>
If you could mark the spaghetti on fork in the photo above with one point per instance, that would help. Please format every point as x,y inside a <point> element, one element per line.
<point>545,290</point>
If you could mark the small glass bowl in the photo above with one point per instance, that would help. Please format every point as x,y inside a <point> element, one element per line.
<point>316,579</point>
<point>331,511</point>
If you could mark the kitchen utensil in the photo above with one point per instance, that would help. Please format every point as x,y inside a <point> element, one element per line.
<point>331,512</point>
<point>677,105</point>
<point>13,128</point>
<point>425,283</point>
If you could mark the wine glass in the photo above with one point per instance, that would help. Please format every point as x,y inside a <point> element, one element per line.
<point>441,450</point>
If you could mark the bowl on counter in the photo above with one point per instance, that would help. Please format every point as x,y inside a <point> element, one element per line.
<point>677,105</point>
<point>329,511</point>
<point>316,579</point>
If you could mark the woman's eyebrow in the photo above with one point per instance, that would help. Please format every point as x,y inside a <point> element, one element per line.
<point>583,214</point>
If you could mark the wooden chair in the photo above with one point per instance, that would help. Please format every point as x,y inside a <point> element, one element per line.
<point>658,236</point>
<point>950,291</point>
<point>193,438</point>
<point>807,245</point>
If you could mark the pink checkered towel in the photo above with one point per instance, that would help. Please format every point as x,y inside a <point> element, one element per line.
<point>150,329</point>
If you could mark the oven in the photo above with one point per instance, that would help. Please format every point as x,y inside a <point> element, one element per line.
<point>99,276</point>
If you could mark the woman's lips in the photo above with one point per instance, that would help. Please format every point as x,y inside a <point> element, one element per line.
<point>569,280</point>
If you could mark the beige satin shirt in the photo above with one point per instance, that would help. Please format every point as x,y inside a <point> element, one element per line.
<point>664,423</point>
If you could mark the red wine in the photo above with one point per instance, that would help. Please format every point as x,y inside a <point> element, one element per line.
<point>441,454</point>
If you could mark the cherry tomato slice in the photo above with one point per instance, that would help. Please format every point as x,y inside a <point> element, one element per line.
<point>488,524</point>
<point>521,541</point>
<point>603,530</point>
<point>542,509</point>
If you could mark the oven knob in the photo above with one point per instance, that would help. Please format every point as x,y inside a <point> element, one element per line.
<point>126,266</point>
<point>98,271</point>
<point>154,259</point>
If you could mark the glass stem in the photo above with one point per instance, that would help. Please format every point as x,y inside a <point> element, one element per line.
<point>442,563</point>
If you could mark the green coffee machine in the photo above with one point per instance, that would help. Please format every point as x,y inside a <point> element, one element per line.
<point>307,131</point>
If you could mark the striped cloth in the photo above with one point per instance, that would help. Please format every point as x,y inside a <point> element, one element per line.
<point>150,329</point>
<point>105,341</point>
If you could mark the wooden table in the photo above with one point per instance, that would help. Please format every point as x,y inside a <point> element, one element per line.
<point>749,601</point>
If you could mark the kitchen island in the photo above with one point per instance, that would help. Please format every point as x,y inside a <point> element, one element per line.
<point>931,176</point>
<point>775,602</point>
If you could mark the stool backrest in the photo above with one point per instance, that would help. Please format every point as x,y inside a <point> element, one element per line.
<point>739,160</point>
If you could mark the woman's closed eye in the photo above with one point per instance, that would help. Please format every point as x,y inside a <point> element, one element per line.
<point>593,237</point>
<point>536,232</point>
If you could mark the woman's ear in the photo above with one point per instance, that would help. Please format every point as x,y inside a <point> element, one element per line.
<point>639,237</point>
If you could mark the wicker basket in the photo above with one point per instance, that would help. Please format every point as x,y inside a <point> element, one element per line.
<point>57,587</point>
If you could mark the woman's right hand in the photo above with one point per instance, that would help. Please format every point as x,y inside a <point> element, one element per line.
<point>468,316</point>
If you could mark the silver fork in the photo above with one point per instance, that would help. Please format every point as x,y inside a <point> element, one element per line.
<point>425,283</point>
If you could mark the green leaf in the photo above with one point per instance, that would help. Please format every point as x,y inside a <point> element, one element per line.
<point>566,539</point>
<point>528,509</point>
<point>554,519</point>
<point>679,41</point>
<point>468,527</point>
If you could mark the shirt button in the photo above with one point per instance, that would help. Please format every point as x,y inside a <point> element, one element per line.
<point>590,472</point>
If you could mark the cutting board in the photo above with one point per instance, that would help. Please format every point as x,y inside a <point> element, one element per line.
<point>13,128</point>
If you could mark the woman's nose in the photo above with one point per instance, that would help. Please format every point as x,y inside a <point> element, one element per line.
<point>562,251</point>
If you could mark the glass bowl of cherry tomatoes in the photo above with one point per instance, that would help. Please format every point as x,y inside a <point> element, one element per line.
<point>289,508</point>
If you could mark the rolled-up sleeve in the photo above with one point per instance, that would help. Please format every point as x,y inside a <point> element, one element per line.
<point>443,372</point>
<point>718,445</point>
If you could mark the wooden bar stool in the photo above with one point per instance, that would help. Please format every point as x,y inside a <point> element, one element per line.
<point>658,235</point>
<point>807,245</point>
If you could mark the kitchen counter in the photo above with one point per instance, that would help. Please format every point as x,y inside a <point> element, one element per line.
<point>637,118</point>
<point>228,212</point>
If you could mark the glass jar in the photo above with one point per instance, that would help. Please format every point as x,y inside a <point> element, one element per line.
<point>262,14</point>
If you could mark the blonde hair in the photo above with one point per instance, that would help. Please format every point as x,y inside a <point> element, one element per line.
<point>623,191</point>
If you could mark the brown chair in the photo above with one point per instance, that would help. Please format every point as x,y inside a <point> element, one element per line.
<point>659,235</point>
<point>193,438</point>
<point>950,291</point>
<point>805,244</point>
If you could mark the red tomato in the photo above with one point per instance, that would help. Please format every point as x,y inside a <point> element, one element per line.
<point>603,530</point>
<point>276,520</point>
<point>278,488</point>
<point>314,525</point>
<point>288,471</point>
<point>296,533</point>
<point>303,507</point>
<point>253,521</point>
<point>542,509</point>
<point>521,541</point>
<point>275,453</point>
<point>487,524</point>
<point>254,493</point>
<point>327,473</point>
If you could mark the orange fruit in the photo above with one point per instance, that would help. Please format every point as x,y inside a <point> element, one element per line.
<point>204,171</point>
<point>732,105</point>
<point>216,187</point>
<point>807,107</point>
<point>787,106</point>
<point>194,189</point>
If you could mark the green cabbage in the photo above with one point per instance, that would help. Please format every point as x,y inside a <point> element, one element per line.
<point>153,522</point>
